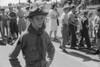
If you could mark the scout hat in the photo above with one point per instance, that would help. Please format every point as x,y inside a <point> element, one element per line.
<point>36,12</point>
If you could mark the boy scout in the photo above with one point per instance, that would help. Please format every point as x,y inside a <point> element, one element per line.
<point>84,31</point>
<point>34,43</point>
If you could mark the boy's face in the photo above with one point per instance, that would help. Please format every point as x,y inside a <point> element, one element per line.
<point>38,20</point>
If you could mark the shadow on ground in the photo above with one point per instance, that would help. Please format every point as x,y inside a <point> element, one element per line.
<point>85,58</point>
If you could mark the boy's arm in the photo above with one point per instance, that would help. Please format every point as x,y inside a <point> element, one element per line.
<point>50,50</point>
<point>14,53</point>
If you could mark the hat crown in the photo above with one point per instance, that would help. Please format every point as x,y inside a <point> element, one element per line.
<point>36,12</point>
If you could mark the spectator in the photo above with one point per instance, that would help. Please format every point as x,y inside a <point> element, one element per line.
<point>65,27</point>
<point>72,26</point>
<point>21,22</point>
<point>53,19</point>
<point>84,31</point>
<point>98,33</point>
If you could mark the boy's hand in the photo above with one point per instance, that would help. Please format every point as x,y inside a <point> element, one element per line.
<point>48,63</point>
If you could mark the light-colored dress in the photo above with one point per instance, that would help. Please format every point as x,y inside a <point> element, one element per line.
<point>21,22</point>
<point>53,21</point>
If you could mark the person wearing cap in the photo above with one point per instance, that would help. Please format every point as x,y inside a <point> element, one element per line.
<point>85,31</point>
<point>98,32</point>
<point>21,21</point>
<point>72,25</point>
<point>65,27</point>
<point>35,43</point>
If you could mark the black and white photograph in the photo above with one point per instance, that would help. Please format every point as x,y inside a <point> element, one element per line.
<point>49,33</point>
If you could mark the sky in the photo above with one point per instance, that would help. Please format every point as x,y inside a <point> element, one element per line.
<point>5,2</point>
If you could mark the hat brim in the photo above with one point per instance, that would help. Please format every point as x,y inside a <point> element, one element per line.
<point>66,8</point>
<point>2,9</point>
<point>33,15</point>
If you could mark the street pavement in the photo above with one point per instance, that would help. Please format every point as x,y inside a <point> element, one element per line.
<point>69,58</point>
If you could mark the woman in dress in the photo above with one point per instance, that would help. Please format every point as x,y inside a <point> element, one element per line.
<point>21,22</point>
<point>53,19</point>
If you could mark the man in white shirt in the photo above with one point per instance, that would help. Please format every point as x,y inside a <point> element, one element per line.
<point>65,27</point>
<point>72,26</point>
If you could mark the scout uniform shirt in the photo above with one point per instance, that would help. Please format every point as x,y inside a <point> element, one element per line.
<point>28,43</point>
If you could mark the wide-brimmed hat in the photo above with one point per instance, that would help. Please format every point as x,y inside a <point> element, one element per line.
<point>85,12</point>
<point>66,7</point>
<point>2,8</point>
<point>36,12</point>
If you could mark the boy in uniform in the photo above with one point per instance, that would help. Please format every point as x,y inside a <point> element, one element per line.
<point>37,49</point>
<point>85,31</point>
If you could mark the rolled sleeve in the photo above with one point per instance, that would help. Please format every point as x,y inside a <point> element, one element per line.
<point>50,50</point>
<point>14,53</point>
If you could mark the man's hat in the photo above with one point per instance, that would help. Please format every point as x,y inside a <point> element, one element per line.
<point>66,7</point>
<point>85,12</point>
<point>2,8</point>
<point>27,8</point>
<point>73,6</point>
<point>36,12</point>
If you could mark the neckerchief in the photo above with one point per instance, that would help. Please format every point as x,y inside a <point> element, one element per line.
<point>39,44</point>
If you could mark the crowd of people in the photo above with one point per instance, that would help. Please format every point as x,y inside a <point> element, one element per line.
<point>12,23</point>
<point>80,28</point>
<point>25,30</point>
